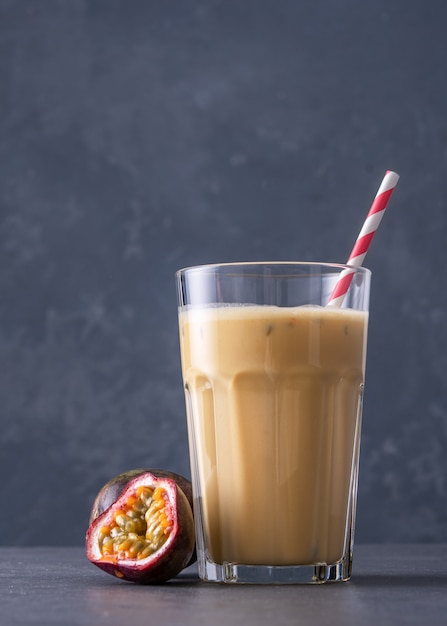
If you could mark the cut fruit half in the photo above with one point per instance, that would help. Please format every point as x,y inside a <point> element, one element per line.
<point>146,535</point>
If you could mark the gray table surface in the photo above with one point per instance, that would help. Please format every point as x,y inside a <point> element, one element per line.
<point>392,584</point>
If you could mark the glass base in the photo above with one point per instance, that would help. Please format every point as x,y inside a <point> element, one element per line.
<point>276,575</point>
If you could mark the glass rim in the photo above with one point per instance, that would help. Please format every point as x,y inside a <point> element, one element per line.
<point>331,267</point>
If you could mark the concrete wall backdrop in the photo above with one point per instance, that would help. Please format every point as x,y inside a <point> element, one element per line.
<point>137,137</point>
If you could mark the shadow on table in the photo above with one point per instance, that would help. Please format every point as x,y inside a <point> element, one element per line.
<point>182,580</point>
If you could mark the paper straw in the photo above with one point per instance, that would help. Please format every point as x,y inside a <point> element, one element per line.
<point>365,237</point>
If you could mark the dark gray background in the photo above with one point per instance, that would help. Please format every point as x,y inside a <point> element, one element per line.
<point>137,137</point>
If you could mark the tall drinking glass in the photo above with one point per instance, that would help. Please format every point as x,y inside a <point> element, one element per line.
<point>273,382</point>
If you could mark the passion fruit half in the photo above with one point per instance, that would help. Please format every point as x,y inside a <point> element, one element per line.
<point>146,535</point>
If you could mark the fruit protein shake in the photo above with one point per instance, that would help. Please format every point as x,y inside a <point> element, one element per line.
<point>273,398</point>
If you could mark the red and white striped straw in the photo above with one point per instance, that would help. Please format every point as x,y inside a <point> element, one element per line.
<point>365,237</point>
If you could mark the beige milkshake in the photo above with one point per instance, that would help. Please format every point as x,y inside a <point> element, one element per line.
<point>273,399</point>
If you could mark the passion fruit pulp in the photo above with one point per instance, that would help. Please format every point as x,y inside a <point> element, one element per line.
<point>146,535</point>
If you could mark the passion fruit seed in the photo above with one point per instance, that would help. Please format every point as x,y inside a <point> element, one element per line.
<point>138,529</point>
